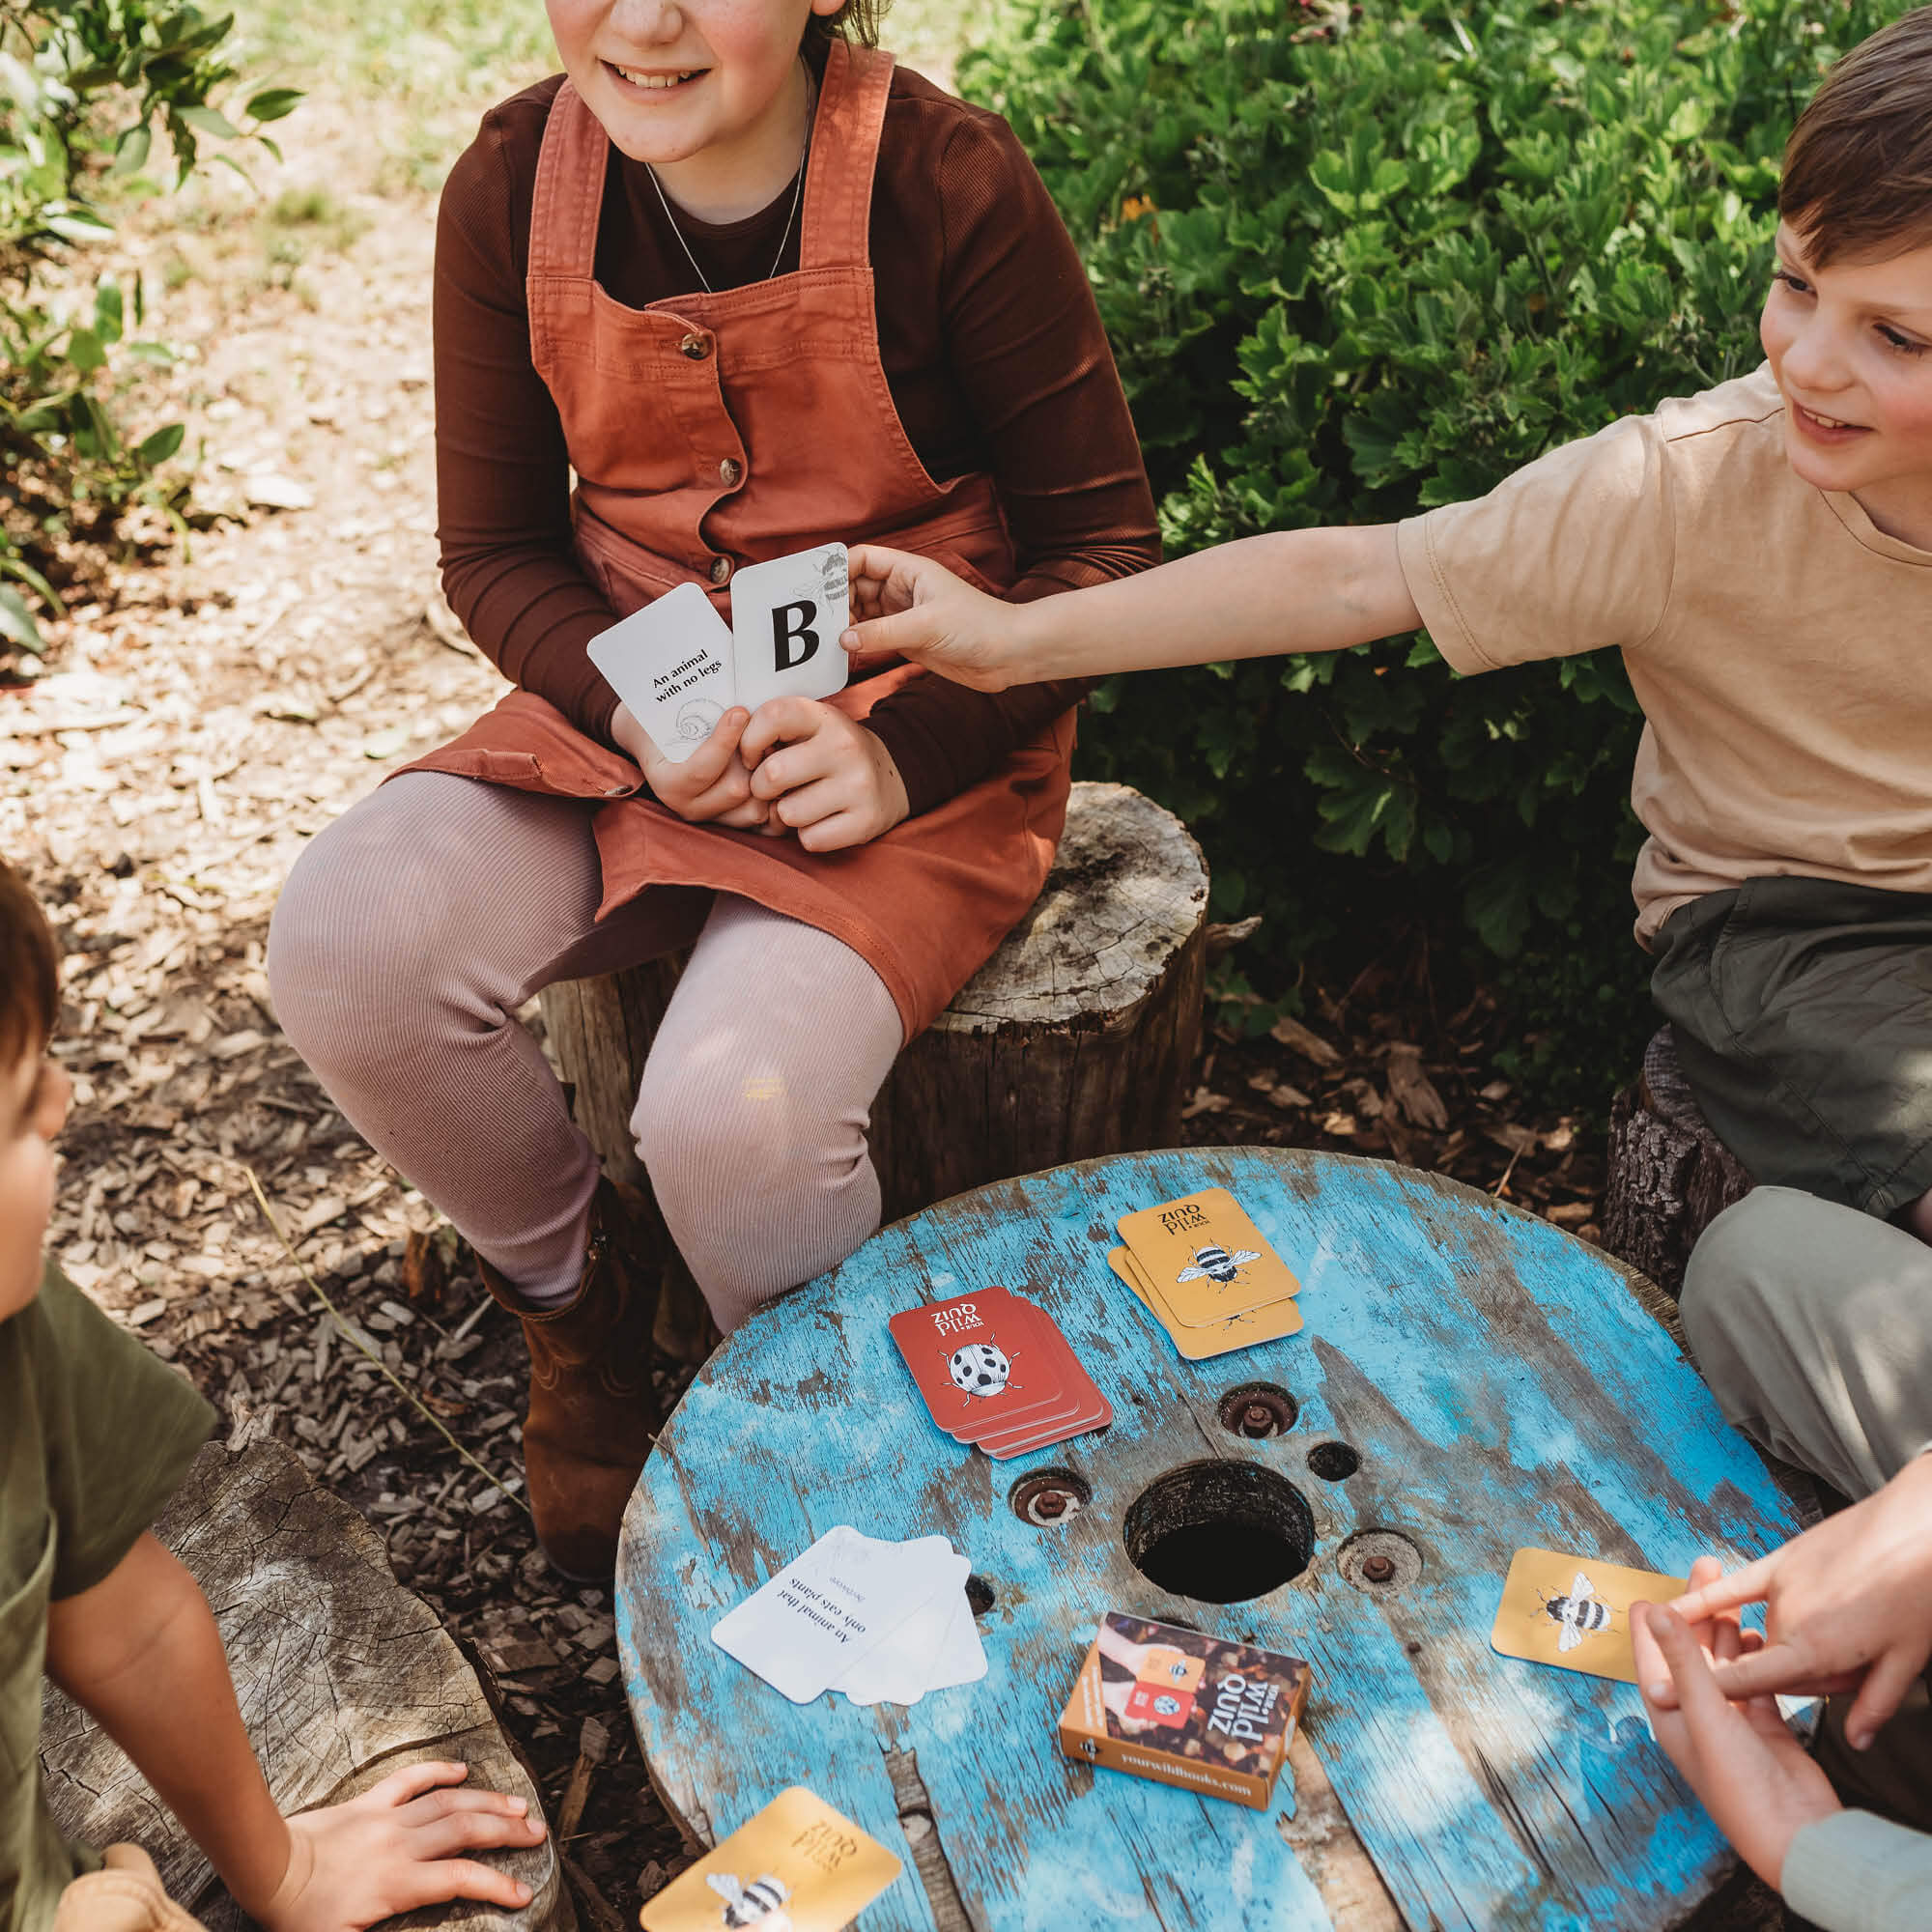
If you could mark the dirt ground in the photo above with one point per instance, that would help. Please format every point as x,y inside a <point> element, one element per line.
<point>212,707</point>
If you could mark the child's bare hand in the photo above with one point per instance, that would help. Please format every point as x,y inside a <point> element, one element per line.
<point>712,786</point>
<point>1755,1777</point>
<point>821,775</point>
<point>399,1846</point>
<point>1848,1605</point>
<point>910,606</point>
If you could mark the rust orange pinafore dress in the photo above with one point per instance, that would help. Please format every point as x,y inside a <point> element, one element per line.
<point>713,431</point>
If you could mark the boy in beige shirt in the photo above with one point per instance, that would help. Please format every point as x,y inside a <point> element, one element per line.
<point>1762,557</point>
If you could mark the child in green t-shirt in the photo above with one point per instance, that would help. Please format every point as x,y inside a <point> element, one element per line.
<point>95,1434</point>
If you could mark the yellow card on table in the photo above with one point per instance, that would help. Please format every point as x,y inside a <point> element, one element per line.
<point>1204,1259</point>
<point>1269,1322</point>
<point>1574,1611</point>
<point>797,1863</point>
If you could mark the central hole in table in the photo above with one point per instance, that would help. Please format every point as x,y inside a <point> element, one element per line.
<point>1220,1533</point>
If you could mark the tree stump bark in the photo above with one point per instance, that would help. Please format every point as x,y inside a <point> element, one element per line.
<point>1669,1177</point>
<point>343,1676</point>
<point>1075,1039</point>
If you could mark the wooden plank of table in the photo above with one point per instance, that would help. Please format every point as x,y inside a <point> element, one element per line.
<point>1501,1386</point>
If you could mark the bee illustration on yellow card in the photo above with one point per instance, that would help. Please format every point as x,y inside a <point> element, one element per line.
<point>1578,1612</point>
<point>1574,1611</point>
<point>798,1866</point>
<point>1218,1264</point>
<point>760,1903</point>
<point>1205,1260</point>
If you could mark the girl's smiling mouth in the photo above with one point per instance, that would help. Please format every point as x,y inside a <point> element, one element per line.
<point>655,80</point>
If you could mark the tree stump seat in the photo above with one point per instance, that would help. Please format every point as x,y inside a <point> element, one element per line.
<point>1075,1039</point>
<point>1669,1176</point>
<point>343,1677</point>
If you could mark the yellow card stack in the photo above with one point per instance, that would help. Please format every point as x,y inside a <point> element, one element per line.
<point>1205,1272</point>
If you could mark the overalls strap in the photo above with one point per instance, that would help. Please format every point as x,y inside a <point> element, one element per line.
<point>569,194</point>
<point>851,117</point>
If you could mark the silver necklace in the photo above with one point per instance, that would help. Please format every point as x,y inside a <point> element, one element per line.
<point>797,194</point>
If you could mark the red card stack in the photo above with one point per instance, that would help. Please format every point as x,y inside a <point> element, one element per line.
<point>996,1372</point>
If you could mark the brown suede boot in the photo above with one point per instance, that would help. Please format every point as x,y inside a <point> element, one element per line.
<point>592,1418</point>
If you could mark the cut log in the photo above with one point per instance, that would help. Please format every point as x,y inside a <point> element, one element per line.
<point>343,1676</point>
<point>1669,1177</point>
<point>1073,1040</point>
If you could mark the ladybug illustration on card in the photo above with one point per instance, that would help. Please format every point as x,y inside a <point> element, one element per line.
<point>970,1357</point>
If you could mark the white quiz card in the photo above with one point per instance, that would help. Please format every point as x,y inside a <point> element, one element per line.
<point>828,1609</point>
<point>788,616</point>
<point>671,663</point>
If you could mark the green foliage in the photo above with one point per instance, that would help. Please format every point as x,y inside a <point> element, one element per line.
<point>1360,262</point>
<point>83,86</point>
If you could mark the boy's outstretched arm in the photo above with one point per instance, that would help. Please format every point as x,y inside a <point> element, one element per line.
<point>1295,590</point>
<point>141,1653</point>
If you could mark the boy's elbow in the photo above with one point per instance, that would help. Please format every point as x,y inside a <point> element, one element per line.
<point>102,1635</point>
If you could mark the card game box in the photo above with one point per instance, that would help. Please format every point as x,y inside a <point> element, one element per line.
<point>1184,1708</point>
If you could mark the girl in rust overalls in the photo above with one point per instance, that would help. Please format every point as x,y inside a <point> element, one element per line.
<point>759,290</point>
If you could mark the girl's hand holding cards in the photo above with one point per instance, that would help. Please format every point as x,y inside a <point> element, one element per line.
<point>821,775</point>
<point>712,785</point>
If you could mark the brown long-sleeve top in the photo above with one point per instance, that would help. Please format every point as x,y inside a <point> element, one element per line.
<point>992,349</point>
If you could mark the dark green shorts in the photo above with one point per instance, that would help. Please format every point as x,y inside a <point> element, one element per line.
<point>1804,1017</point>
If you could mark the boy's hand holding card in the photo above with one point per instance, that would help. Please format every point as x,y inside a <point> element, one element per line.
<point>797,1864</point>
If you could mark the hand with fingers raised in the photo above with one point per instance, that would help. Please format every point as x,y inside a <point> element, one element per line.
<point>400,1846</point>
<point>1752,1776</point>
<point>1848,1605</point>
<point>712,786</point>
<point>906,606</point>
<point>821,775</point>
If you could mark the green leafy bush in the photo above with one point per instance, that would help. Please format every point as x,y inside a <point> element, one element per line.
<point>83,85</point>
<point>1356,261</point>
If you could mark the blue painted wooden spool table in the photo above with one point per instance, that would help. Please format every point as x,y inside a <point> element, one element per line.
<point>1497,1383</point>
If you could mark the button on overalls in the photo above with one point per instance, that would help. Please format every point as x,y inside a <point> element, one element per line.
<point>712,430</point>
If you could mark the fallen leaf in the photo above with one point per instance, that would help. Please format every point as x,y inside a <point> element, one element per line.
<point>1412,1089</point>
<point>1311,1046</point>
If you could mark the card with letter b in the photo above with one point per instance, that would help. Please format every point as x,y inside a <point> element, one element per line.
<point>788,616</point>
<point>679,668</point>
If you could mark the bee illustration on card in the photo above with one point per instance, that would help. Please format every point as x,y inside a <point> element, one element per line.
<point>761,1903</point>
<point>1214,1263</point>
<point>982,1369</point>
<point>1576,1614</point>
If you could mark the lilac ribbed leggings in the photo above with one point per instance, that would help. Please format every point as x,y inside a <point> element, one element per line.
<point>415,926</point>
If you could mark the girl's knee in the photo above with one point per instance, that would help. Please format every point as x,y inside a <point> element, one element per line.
<point>716,1130</point>
<point>357,930</point>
